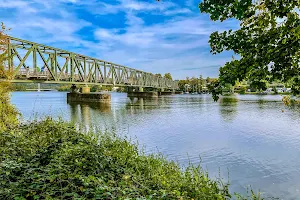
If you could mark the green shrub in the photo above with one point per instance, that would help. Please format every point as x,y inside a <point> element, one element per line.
<point>242,90</point>
<point>8,112</point>
<point>64,88</point>
<point>96,88</point>
<point>51,160</point>
<point>288,101</point>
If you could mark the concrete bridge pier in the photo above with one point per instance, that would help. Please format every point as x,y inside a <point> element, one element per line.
<point>140,92</point>
<point>178,92</point>
<point>86,96</point>
<point>164,92</point>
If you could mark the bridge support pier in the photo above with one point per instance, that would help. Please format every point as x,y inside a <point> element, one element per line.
<point>178,92</point>
<point>164,92</point>
<point>87,96</point>
<point>141,93</point>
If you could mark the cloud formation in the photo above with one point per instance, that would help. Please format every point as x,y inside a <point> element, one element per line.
<point>158,37</point>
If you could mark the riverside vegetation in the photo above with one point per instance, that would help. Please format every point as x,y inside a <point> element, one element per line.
<point>52,160</point>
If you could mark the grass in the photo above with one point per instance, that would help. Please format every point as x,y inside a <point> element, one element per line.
<point>52,160</point>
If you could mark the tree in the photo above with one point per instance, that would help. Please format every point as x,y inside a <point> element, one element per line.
<point>8,113</point>
<point>168,76</point>
<point>267,42</point>
<point>201,82</point>
<point>159,75</point>
<point>208,80</point>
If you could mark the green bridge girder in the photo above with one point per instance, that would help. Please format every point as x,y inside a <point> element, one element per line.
<point>61,66</point>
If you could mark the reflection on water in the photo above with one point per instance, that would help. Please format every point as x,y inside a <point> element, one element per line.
<point>254,138</point>
<point>228,107</point>
<point>141,104</point>
<point>81,112</point>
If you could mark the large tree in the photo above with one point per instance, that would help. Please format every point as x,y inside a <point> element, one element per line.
<point>267,42</point>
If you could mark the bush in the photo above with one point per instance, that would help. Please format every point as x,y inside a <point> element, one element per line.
<point>8,113</point>
<point>51,160</point>
<point>243,90</point>
<point>64,88</point>
<point>95,88</point>
<point>288,101</point>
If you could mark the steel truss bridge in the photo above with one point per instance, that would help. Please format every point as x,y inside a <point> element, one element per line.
<point>33,62</point>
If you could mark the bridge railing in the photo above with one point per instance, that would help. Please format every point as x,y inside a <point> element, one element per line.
<point>63,66</point>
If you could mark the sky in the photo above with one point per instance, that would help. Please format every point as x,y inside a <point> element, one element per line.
<point>157,37</point>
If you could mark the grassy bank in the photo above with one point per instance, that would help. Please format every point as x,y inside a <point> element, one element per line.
<point>51,160</point>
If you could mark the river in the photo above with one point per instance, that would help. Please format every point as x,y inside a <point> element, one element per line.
<point>253,140</point>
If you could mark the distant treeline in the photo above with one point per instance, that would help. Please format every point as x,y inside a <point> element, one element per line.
<point>242,87</point>
<point>60,87</point>
<point>195,84</point>
<point>25,86</point>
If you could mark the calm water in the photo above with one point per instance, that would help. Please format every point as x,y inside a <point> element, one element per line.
<point>253,138</point>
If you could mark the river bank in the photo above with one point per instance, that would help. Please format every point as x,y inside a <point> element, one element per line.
<point>52,160</point>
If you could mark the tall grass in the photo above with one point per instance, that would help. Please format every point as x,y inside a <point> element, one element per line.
<point>52,160</point>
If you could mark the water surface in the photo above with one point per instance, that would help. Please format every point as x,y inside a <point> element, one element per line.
<point>256,139</point>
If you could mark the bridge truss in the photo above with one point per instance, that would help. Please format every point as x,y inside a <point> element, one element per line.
<point>31,61</point>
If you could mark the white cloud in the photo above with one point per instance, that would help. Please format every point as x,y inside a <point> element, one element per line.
<point>140,5</point>
<point>171,45</point>
<point>17,4</point>
<point>191,3</point>
<point>178,11</point>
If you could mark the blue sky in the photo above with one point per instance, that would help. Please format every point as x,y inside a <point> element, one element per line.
<point>158,37</point>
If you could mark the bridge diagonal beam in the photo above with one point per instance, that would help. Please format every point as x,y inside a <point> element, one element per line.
<point>64,67</point>
<point>100,72</point>
<point>79,68</point>
<point>90,74</point>
<point>15,52</point>
<point>23,61</point>
<point>46,64</point>
<point>93,73</point>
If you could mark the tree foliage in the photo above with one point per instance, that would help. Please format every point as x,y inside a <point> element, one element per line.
<point>268,40</point>
<point>8,113</point>
<point>159,75</point>
<point>168,76</point>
